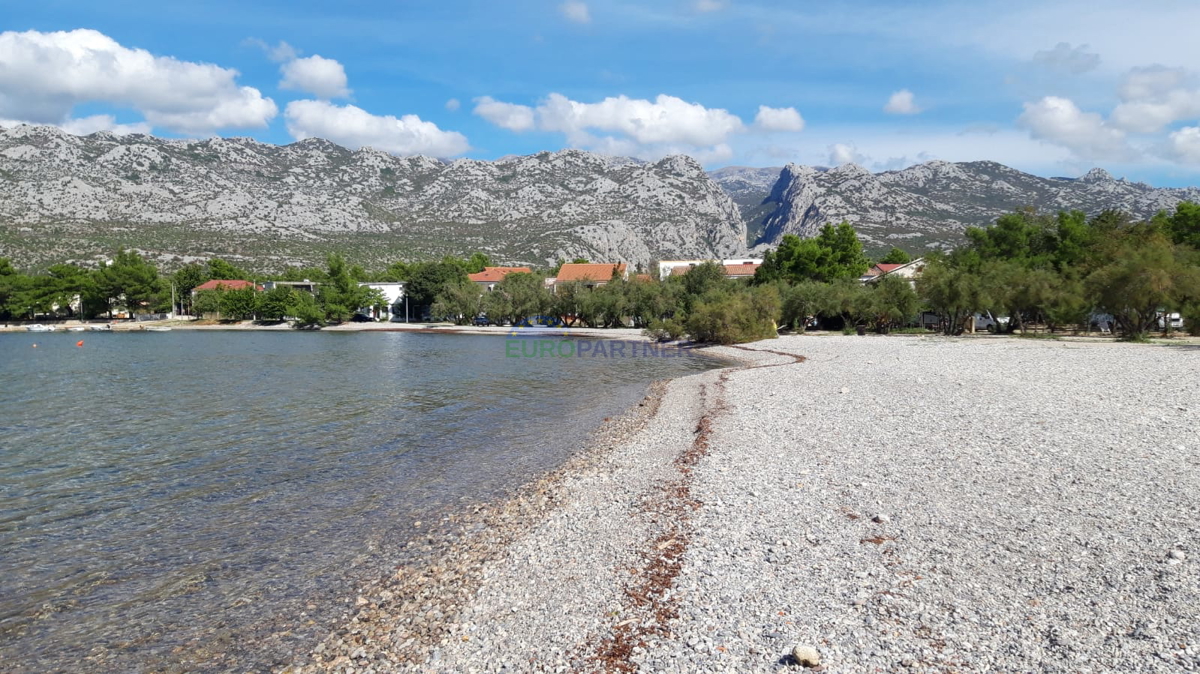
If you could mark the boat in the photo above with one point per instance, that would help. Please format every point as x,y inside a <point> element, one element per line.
<point>38,327</point>
<point>78,328</point>
<point>156,328</point>
<point>100,328</point>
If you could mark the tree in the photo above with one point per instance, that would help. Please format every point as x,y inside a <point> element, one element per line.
<point>725,316</point>
<point>427,280</point>
<point>477,263</point>
<point>953,292</point>
<point>306,310</point>
<point>803,302</point>
<point>525,295</point>
<point>892,302</point>
<point>275,304</point>
<point>1184,225</point>
<point>1146,276</point>
<point>702,279</point>
<point>896,256</point>
<point>129,280</point>
<point>238,304</point>
<point>461,301</point>
<point>223,270</point>
<point>341,295</point>
<point>186,278</point>
<point>835,253</point>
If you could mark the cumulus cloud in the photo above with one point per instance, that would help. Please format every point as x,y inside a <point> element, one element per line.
<point>902,103</point>
<point>505,115</point>
<point>354,127</point>
<point>620,125</point>
<point>778,119</point>
<point>840,153</point>
<point>43,76</point>
<point>321,77</point>
<point>83,126</point>
<point>576,11</point>
<point>453,105</point>
<point>1059,121</point>
<point>1185,145</point>
<point>1065,58</point>
<point>1154,97</point>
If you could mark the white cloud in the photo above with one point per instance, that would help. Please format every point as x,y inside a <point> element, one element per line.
<point>1059,121</point>
<point>279,53</point>
<point>841,153</point>
<point>43,76</point>
<point>354,127</point>
<point>453,105</point>
<point>778,119</point>
<point>1064,57</point>
<point>705,6</point>
<point>620,125</point>
<point>902,103</point>
<point>1185,145</point>
<point>321,77</point>
<point>576,11</point>
<point>85,125</point>
<point>1154,97</point>
<point>505,115</point>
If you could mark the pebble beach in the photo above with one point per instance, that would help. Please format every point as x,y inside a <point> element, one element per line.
<point>854,504</point>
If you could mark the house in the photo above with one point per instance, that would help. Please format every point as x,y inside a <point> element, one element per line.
<point>908,270</point>
<point>591,275</point>
<point>307,286</point>
<point>741,269</point>
<point>680,267</point>
<point>394,299</point>
<point>490,276</point>
<point>219,284</point>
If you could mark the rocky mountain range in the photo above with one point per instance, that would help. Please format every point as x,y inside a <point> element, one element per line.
<point>65,197</point>
<point>927,205</point>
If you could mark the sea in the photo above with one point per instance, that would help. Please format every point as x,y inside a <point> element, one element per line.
<point>167,495</point>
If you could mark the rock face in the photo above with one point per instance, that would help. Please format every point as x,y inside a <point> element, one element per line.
<point>929,204</point>
<point>69,197</point>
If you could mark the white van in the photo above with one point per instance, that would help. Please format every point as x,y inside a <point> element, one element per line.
<point>990,322</point>
<point>1174,319</point>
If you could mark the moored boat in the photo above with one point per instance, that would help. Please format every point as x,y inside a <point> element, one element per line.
<point>38,327</point>
<point>100,328</point>
<point>156,328</point>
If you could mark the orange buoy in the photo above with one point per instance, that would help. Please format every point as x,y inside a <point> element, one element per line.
<point>79,343</point>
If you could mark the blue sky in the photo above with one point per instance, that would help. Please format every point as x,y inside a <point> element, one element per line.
<point>1053,88</point>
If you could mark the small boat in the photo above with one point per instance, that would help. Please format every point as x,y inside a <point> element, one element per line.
<point>38,327</point>
<point>156,328</point>
<point>78,328</point>
<point>100,328</point>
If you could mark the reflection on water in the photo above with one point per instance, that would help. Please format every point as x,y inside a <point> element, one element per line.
<point>160,491</point>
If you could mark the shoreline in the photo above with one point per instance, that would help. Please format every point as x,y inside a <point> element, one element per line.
<point>738,513</point>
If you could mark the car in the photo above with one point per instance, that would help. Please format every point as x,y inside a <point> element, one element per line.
<point>1174,320</point>
<point>482,320</point>
<point>990,322</point>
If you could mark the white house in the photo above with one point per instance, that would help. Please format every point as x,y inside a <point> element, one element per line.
<point>394,297</point>
<point>667,267</point>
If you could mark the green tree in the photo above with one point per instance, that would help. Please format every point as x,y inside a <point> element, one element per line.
<point>725,316</point>
<point>1184,225</point>
<point>461,301</point>
<point>275,304</point>
<point>186,278</point>
<point>477,263</point>
<point>896,256</point>
<point>892,302</point>
<point>803,302</point>
<point>238,304</point>
<point>225,271</point>
<point>131,281</point>
<point>1145,276</point>
<point>427,280</point>
<point>207,302</point>
<point>952,292</point>
<point>306,310</point>
<point>525,296</point>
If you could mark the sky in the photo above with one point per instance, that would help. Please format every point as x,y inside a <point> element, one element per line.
<point>1052,88</point>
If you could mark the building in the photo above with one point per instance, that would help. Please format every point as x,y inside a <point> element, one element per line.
<point>307,286</point>
<point>908,270</point>
<point>668,267</point>
<point>490,276</point>
<point>591,275</point>
<point>395,299</point>
<point>218,284</point>
<point>741,269</point>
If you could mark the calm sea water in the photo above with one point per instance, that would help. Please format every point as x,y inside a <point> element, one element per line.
<point>165,497</point>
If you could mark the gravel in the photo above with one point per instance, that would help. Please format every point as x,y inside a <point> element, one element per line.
<point>894,503</point>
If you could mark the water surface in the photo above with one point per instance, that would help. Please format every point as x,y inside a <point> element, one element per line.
<point>168,501</point>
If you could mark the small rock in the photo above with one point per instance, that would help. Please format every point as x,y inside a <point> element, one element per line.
<point>1178,555</point>
<point>845,389</point>
<point>881,519</point>
<point>807,656</point>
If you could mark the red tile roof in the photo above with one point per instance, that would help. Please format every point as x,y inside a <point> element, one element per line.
<point>680,271</point>
<point>219,284</point>
<point>497,274</point>
<point>645,278</point>
<point>741,269</point>
<point>589,272</point>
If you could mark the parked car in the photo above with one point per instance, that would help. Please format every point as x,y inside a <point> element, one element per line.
<point>1174,319</point>
<point>990,322</point>
<point>482,319</point>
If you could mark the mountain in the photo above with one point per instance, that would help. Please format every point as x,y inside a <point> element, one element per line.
<point>65,197</point>
<point>931,204</point>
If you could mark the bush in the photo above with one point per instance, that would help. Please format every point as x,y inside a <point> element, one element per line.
<point>732,318</point>
<point>666,330</point>
<point>1191,319</point>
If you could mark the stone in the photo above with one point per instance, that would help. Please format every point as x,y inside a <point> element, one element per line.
<point>806,656</point>
<point>881,519</point>
<point>1177,555</point>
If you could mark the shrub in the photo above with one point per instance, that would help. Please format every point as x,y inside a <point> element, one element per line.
<point>732,318</point>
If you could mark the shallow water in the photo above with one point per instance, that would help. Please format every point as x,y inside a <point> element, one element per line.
<point>168,500</point>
